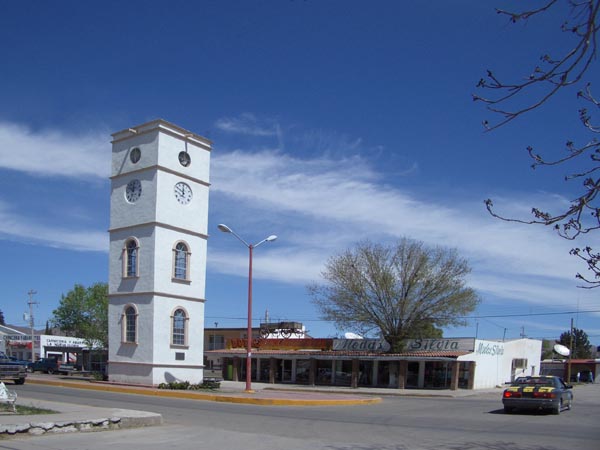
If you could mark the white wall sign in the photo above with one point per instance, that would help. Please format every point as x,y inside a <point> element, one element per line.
<point>490,349</point>
<point>432,345</point>
<point>370,345</point>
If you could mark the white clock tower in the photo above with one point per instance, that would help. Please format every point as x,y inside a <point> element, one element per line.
<point>157,270</point>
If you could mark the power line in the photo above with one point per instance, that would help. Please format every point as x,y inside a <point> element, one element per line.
<point>482,316</point>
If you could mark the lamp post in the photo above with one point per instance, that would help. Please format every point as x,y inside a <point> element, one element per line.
<point>225,229</point>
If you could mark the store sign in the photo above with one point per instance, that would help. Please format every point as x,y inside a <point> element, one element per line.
<point>439,345</point>
<point>361,345</point>
<point>490,349</point>
<point>64,341</point>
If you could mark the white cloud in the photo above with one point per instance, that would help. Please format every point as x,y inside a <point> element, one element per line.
<point>54,153</point>
<point>318,206</point>
<point>329,204</point>
<point>247,124</point>
<point>17,227</point>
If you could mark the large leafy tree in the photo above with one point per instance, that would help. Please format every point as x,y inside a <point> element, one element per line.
<point>580,344</point>
<point>402,291</point>
<point>83,313</point>
<point>568,65</point>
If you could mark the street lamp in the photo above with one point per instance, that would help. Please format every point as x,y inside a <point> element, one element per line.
<point>225,229</point>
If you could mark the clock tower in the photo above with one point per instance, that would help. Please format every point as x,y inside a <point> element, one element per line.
<point>157,269</point>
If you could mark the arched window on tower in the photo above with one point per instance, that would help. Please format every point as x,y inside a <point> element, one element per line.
<point>131,258</point>
<point>179,327</point>
<point>130,316</point>
<point>181,261</point>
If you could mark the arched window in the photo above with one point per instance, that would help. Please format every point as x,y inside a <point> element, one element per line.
<point>131,258</point>
<point>179,320</point>
<point>130,325</point>
<point>181,261</point>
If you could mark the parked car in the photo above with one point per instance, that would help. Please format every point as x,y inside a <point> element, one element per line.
<point>48,365</point>
<point>542,392</point>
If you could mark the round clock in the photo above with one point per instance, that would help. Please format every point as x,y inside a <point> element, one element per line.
<point>183,193</point>
<point>133,191</point>
<point>135,155</point>
<point>184,159</point>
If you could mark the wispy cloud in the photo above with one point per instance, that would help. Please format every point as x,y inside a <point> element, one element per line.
<point>14,226</point>
<point>318,205</point>
<point>51,152</point>
<point>248,124</point>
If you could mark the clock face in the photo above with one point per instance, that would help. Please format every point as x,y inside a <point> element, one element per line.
<point>184,159</point>
<point>183,193</point>
<point>135,155</point>
<point>133,191</point>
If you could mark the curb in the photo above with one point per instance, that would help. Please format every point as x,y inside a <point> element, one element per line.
<point>121,420</point>
<point>248,399</point>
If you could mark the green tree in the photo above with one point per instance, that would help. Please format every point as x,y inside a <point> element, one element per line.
<point>568,65</point>
<point>83,313</point>
<point>400,291</point>
<point>2,318</point>
<point>580,346</point>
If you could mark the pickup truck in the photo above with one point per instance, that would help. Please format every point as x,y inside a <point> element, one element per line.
<point>11,370</point>
<point>48,365</point>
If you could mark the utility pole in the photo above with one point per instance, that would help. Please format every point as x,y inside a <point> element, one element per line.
<point>31,293</point>
<point>570,353</point>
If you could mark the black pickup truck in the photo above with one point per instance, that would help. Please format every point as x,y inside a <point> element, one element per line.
<point>12,370</point>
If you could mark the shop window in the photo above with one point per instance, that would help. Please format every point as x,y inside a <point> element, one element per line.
<point>365,373</point>
<point>324,372</point>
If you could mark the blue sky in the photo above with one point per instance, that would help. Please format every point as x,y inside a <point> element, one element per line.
<point>332,122</point>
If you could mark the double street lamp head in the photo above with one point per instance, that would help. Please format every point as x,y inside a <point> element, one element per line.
<point>225,229</point>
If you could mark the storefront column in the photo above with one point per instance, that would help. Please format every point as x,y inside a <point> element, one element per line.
<point>272,369</point>
<point>375,373</point>
<point>402,374</point>
<point>454,376</point>
<point>236,372</point>
<point>355,369</point>
<point>312,372</point>
<point>421,378</point>
<point>332,382</point>
<point>471,374</point>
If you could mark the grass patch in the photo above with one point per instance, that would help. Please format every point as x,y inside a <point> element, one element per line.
<point>31,410</point>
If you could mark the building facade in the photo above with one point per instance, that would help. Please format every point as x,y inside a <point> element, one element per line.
<point>158,239</point>
<point>447,363</point>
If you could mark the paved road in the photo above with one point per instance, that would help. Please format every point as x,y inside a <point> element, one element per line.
<point>395,424</point>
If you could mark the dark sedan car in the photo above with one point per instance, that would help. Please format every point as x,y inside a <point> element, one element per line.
<point>540,393</point>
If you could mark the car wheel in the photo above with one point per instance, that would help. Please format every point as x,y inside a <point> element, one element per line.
<point>508,410</point>
<point>50,371</point>
<point>570,404</point>
<point>20,381</point>
<point>557,408</point>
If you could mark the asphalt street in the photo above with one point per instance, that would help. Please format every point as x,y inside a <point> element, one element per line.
<point>397,423</point>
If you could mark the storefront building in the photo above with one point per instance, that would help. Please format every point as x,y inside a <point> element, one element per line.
<point>447,363</point>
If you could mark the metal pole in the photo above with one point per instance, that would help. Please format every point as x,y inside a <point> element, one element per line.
<point>249,332</point>
<point>570,353</point>
<point>31,293</point>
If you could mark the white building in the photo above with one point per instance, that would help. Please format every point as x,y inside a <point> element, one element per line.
<point>158,238</point>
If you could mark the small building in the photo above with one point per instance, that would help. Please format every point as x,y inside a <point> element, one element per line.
<point>446,363</point>
<point>581,370</point>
